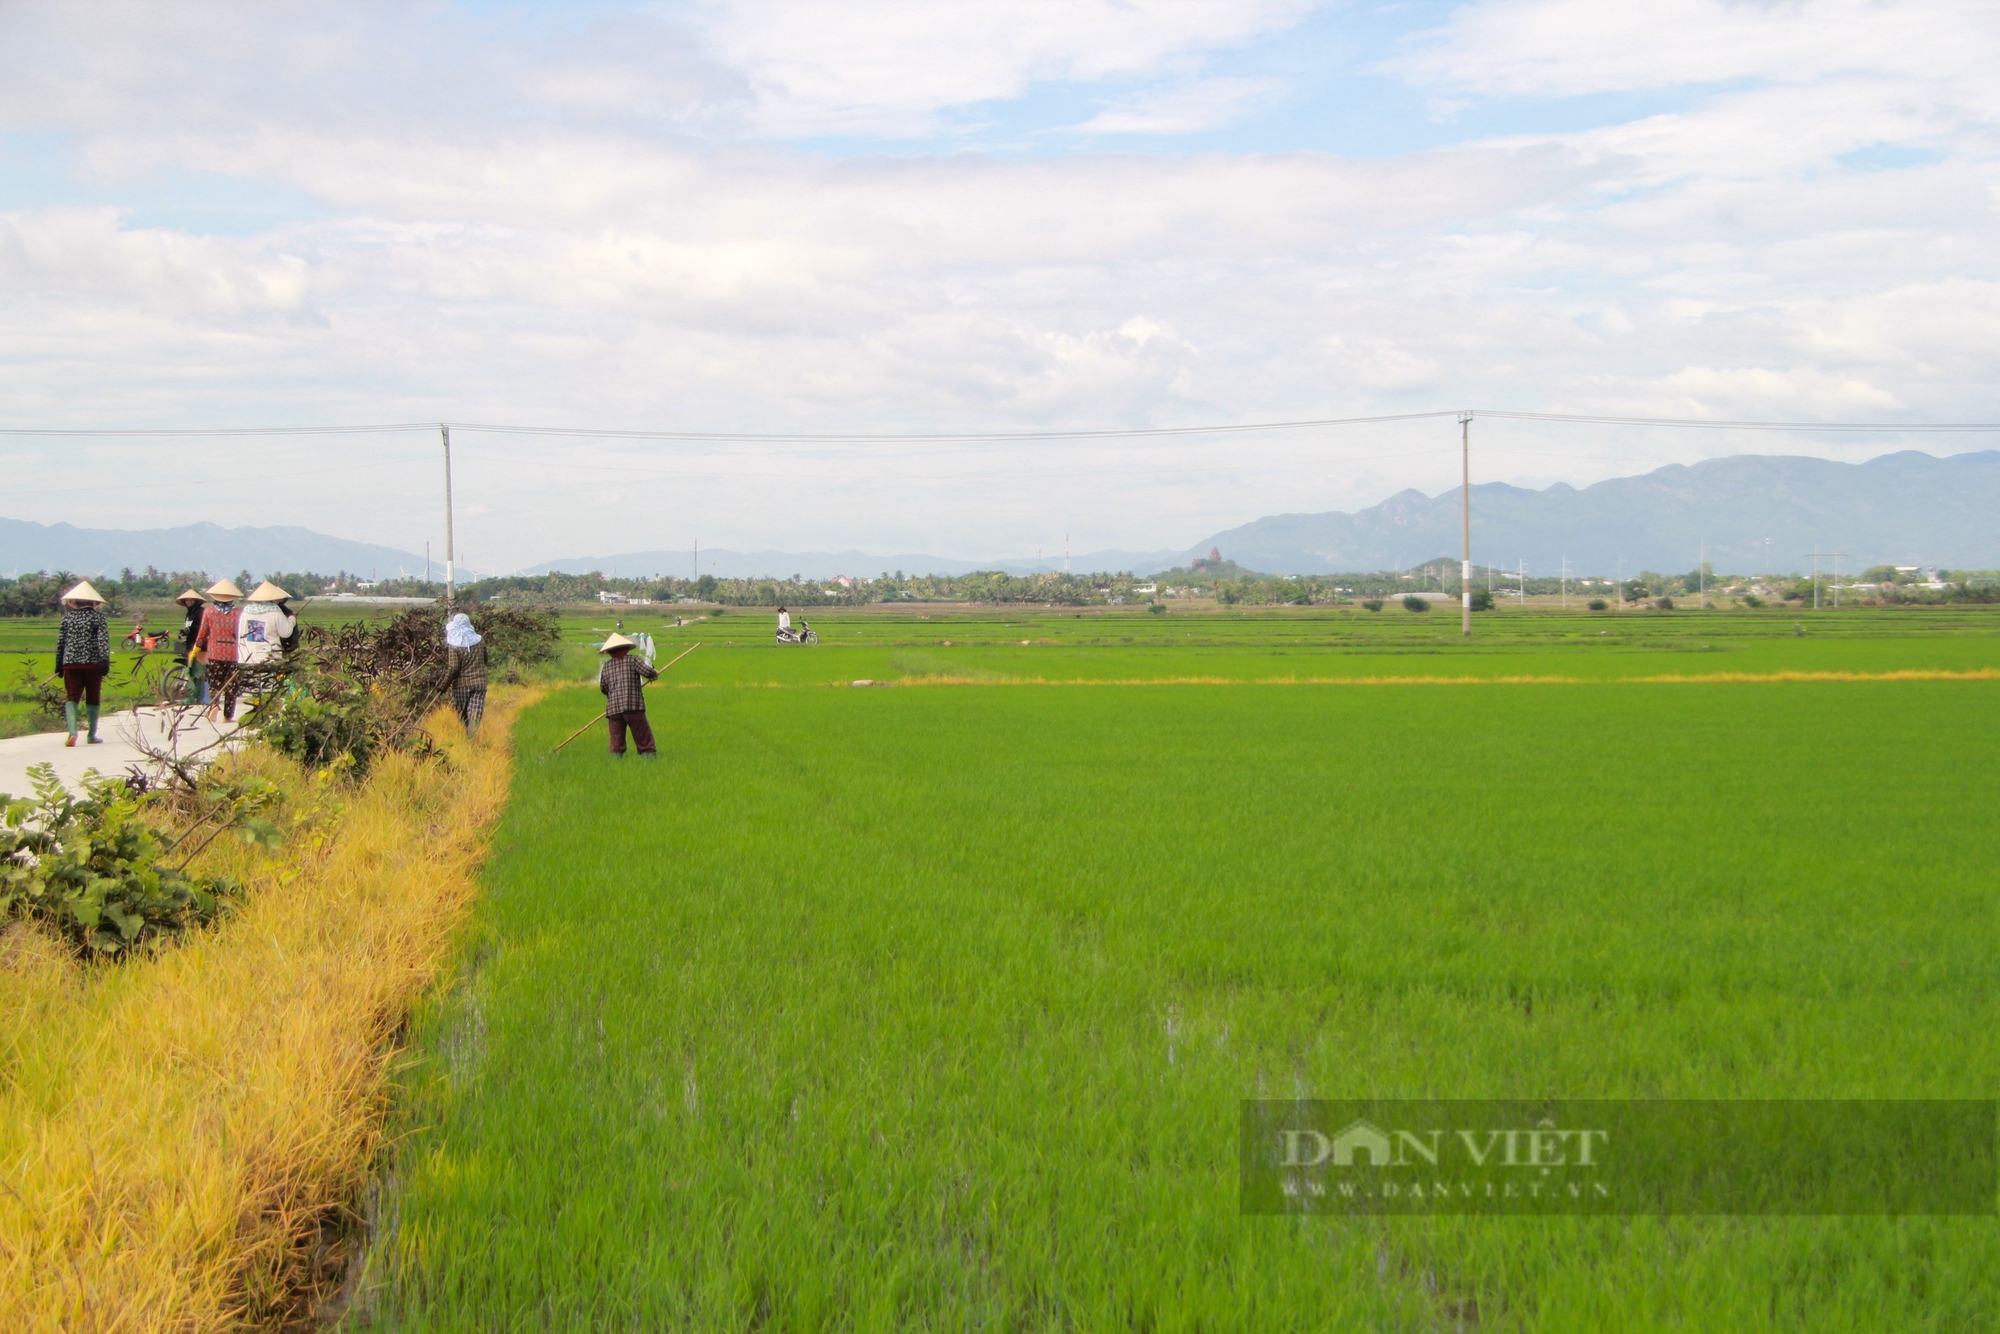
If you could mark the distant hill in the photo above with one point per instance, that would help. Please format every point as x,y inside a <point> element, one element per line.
<point>1757,512</point>
<point>726,564</point>
<point>26,546</point>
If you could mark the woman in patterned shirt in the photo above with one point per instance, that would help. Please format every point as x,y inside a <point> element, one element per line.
<point>83,655</point>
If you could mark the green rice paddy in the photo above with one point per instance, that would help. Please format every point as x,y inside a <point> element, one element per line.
<point>934,1008</point>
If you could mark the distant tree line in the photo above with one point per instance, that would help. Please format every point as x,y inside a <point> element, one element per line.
<point>1222,580</point>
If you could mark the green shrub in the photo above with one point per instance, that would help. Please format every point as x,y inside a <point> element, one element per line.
<point>1663,604</point>
<point>1482,599</point>
<point>1752,600</point>
<point>1415,603</point>
<point>1599,604</point>
<point>347,691</point>
<point>1158,609</point>
<point>95,872</point>
<point>332,716</point>
<point>43,694</point>
<point>1372,604</point>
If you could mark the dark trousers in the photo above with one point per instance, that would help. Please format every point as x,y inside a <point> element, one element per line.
<point>227,679</point>
<point>84,681</point>
<point>642,731</point>
<point>470,701</point>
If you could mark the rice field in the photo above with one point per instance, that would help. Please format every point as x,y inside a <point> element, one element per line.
<point>934,1008</point>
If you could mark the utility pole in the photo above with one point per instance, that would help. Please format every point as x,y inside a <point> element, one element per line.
<point>451,573</point>
<point>697,558</point>
<point>1836,576</point>
<point>1524,585</point>
<point>1621,583</point>
<point>1816,553</point>
<point>1701,574</point>
<point>1465,524</point>
<point>1565,583</point>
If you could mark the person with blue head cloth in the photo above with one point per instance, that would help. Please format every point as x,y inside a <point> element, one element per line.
<point>465,670</point>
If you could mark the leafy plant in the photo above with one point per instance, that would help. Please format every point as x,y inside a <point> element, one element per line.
<point>338,717</point>
<point>353,689</point>
<point>1371,604</point>
<point>44,694</point>
<point>93,870</point>
<point>1599,604</point>
<point>1752,600</point>
<point>1158,609</point>
<point>1663,604</point>
<point>1415,603</point>
<point>1482,599</point>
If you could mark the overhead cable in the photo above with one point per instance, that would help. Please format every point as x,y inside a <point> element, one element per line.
<point>219,430</point>
<point>943,437</point>
<point>1718,424</point>
<point>777,437</point>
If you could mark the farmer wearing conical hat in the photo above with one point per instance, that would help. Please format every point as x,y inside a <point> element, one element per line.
<point>623,681</point>
<point>83,655</point>
<point>216,642</point>
<point>190,627</point>
<point>263,626</point>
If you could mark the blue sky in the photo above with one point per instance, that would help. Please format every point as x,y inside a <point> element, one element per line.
<point>887,216</point>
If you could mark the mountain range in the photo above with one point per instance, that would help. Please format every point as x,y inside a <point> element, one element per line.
<point>726,564</point>
<point>26,546</point>
<point>1751,513</point>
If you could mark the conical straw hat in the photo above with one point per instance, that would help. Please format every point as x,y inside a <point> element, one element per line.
<point>268,592</point>
<point>83,592</point>
<point>617,641</point>
<point>190,594</point>
<point>222,590</point>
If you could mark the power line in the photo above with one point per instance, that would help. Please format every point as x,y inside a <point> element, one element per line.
<point>772,437</point>
<point>938,437</point>
<point>861,437</point>
<point>1720,424</point>
<point>206,431</point>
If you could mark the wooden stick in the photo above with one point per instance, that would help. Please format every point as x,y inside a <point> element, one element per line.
<point>600,717</point>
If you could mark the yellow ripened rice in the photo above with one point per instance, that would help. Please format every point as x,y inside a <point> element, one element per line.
<point>181,1136</point>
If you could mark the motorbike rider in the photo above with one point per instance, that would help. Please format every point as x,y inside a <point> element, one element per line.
<point>784,622</point>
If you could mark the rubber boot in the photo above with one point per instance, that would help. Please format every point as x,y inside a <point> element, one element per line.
<point>69,715</point>
<point>91,709</point>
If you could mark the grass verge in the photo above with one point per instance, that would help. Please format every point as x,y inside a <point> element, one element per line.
<point>181,1138</point>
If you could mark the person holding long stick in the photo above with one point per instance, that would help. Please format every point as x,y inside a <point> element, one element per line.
<point>623,680</point>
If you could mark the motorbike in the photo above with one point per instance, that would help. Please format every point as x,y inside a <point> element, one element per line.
<point>803,633</point>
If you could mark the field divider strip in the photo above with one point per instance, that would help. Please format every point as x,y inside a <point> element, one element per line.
<point>1670,678</point>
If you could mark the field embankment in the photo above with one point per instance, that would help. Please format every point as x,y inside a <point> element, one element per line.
<point>181,1137</point>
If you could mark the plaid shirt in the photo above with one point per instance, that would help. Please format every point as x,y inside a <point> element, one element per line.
<point>217,637</point>
<point>466,667</point>
<point>621,680</point>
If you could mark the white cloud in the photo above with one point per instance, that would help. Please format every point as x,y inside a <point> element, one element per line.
<point>1565,48</point>
<point>888,66</point>
<point>1203,104</point>
<point>561,229</point>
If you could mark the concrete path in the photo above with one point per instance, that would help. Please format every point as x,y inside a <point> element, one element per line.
<point>121,733</point>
